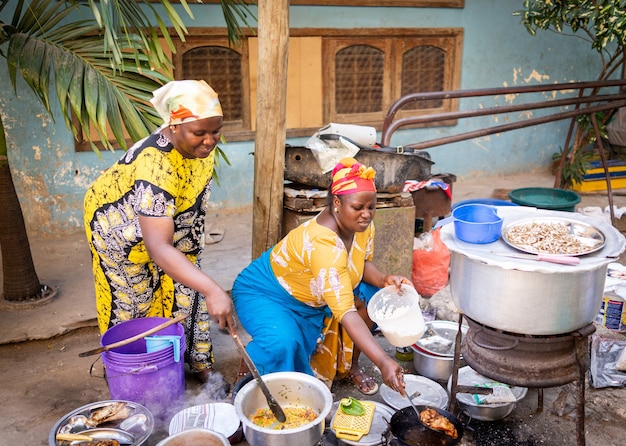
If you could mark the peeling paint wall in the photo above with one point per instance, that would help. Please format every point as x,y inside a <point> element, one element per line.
<point>51,178</point>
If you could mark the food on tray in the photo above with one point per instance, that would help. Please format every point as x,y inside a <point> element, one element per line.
<point>110,412</point>
<point>546,238</point>
<point>295,417</point>
<point>434,420</point>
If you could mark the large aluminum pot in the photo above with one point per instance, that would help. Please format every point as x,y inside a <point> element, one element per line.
<point>529,296</point>
<point>539,302</point>
<point>289,389</point>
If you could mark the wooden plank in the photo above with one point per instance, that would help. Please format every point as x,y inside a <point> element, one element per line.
<point>269,155</point>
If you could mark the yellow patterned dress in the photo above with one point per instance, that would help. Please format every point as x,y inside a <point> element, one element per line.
<point>151,179</point>
<point>291,299</point>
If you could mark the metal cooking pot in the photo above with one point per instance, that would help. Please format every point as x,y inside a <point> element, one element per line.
<point>540,302</point>
<point>407,427</point>
<point>195,437</point>
<point>529,296</point>
<point>289,389</point>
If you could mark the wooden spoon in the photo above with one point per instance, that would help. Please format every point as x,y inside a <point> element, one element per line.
<point>137,337</point>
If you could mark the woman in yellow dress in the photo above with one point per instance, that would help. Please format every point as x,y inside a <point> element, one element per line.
<point>303,301</point>
<point>144,218</point>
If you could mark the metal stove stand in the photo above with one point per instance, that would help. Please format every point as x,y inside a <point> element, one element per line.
<point>526,361</point>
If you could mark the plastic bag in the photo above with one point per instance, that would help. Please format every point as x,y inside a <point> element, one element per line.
<point>329,153</point>
<point>616,129</point>
<point>431,263</point>
<point>605,355</point>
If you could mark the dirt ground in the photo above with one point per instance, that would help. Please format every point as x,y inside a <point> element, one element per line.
<point>44,378</point>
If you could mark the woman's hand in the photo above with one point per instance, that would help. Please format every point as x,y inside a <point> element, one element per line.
<point>397,280</point>
<point>393,375</point>
<point>219,306</point>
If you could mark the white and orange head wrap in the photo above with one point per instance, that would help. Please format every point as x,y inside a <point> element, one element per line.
<point>185,101</point>
<point>350,176</point>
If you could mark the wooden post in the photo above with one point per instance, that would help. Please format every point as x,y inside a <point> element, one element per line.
<point>269,154</point>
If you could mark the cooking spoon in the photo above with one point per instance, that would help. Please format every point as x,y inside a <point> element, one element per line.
<point>413,405</point>
<point>271,401</point>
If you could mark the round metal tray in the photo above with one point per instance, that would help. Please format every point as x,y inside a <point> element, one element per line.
<point>423,391</point>
<point>380,424</point>
<point>592,238</point>
<point>133,430</point>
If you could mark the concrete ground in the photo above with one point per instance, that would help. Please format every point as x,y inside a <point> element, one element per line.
<point>44,378</point>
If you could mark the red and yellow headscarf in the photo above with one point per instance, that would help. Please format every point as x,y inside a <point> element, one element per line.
<point>350,176</point>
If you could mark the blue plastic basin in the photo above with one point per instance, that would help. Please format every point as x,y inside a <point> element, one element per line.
<point>477,223</point>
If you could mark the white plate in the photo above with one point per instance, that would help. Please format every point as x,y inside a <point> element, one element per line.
<point>378,427</point>
<point>218,417</point>
<point>431,393</point>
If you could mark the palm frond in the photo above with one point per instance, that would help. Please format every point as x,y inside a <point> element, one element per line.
<point>236,12</point>
<point>102,69</point>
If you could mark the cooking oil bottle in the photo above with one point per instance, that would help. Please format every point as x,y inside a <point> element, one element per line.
<point>404,353</point>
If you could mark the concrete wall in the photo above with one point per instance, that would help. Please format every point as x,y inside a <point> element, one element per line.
<point>51,177</point>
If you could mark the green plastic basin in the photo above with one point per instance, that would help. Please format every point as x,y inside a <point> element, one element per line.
<point>546,198</point>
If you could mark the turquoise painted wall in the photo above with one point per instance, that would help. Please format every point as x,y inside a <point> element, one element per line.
<point>51,177</point>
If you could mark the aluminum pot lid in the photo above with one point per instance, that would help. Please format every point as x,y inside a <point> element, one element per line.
<point>470,377</point>
<point>378,427</point>
<point>614,246</point>
<point>423,391</point>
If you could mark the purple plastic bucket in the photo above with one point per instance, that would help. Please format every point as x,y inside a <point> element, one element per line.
<point>155,379</point>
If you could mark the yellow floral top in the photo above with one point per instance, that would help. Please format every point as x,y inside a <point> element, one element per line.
<point>312,264</point>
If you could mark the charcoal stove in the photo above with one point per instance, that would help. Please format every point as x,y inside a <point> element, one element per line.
<point>527,360</point>
<point>529,321</point>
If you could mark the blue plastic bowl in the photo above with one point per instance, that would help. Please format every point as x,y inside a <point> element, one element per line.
<point>477,223</point>
<point>488,201</point>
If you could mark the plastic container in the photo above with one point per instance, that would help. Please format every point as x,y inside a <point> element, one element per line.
<point>158,343</point>
<point>477,223</point>
<point>546,198</point>
<point>398,314</point>
<point>155,380</point>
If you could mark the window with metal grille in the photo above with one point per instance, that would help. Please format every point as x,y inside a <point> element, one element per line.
<point>224,68</point>
<point>359,86</point>
<point>221,68</point>
<point>335,75</point>
<point>423,69</point>
<point>363,75</point>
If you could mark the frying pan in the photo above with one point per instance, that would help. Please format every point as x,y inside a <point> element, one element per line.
<point>406,426</point>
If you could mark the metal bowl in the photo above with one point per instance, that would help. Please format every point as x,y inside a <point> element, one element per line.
<point>435,360</point>
<point>289,389</point>
<point>483,412</point>
<point>197,436</point>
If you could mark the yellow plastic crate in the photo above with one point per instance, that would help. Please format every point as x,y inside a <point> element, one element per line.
<point>596,185</point>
